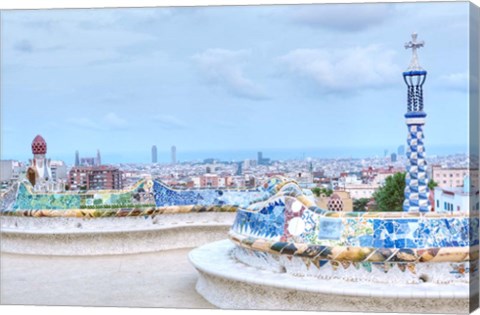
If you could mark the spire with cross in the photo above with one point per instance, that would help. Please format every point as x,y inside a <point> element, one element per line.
<point>414,77</point>
<point>414,45</point>
<point>416,179</point>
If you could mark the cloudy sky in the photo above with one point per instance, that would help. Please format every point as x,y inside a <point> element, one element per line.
<point>229,78</point>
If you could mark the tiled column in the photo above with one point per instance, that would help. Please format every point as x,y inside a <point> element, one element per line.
<point>416,179</point>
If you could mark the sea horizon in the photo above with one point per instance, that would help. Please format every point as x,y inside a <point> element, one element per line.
<point>144,157</point>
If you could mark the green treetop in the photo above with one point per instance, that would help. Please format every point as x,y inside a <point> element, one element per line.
<point>390,196</point>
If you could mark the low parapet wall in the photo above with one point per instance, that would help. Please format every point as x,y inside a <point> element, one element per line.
<point>116,212</point>
<point>111,235</point>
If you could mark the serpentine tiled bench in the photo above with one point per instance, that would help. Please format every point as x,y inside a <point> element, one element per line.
<point>147,217</point>
<point>286,233</point>
<point>287,237</point>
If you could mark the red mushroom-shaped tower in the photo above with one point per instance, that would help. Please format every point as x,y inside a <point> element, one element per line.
<point>39,145</point>
<point>335,203</point>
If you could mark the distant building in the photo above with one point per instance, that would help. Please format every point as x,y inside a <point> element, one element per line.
<point>9,170</point>
<point>378,176</point>
<point>238,181</point>
<point>382,174</point>
<point>154,154</point>
<point>250,182</point>
<point>214,181</point>
<point>225,181</point>
<point>393,157</point>
<point>174,154</point>
<point>95,177</point>
<point>211,181</point>
<point>239,169</point>
<point>261,160</point>
<point>358,191</point>
<point>59,170</point>
<point>453,177</point>
<point>87,161</point>
<point>401,150</point>
<point>98,161</point>
<point>77,158</point>
<point>304,179</point>
<point>368,173</point>
<point>6,170</point>
<point>370,180</point>
<point>456,199</point>
<point>347,179</point>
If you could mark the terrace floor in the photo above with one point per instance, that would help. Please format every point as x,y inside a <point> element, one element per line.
<point>162,279</point>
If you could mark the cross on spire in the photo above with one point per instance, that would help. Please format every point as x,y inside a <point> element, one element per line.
<point>414,45</point>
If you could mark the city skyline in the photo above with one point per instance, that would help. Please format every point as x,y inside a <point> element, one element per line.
<point>164,156</point>
<point>247,92</point>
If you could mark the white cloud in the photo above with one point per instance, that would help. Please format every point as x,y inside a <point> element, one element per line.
<point>110,121</point>
<point>169,122</point>
<point>344,69</point>
<point>454,81</point>
<point>343,17</point>
<point>225,68</point>
<point>83,122</point>
<point>113,121</point>
<point>52,39</point>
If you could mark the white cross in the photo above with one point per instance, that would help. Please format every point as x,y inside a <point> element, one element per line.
<point>414,45</point>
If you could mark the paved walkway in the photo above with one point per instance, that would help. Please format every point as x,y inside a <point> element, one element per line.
<point>162,279</point>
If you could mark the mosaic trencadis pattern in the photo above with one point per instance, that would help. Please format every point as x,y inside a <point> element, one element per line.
<point>416,189</point>
<point>324,244</point>
<point>139,195</point>
<point>165,196</point>
<point>147,197</point>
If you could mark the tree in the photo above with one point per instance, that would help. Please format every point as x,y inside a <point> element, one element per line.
<point>327,191</point>
<point>432,184</point>
<point>390,196</point>
<point>318,191</point>
<point>360,204</point>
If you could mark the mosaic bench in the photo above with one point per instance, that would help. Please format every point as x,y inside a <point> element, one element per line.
<point>148,193</point>
<point>290,234</point>
<point>149,216</point>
